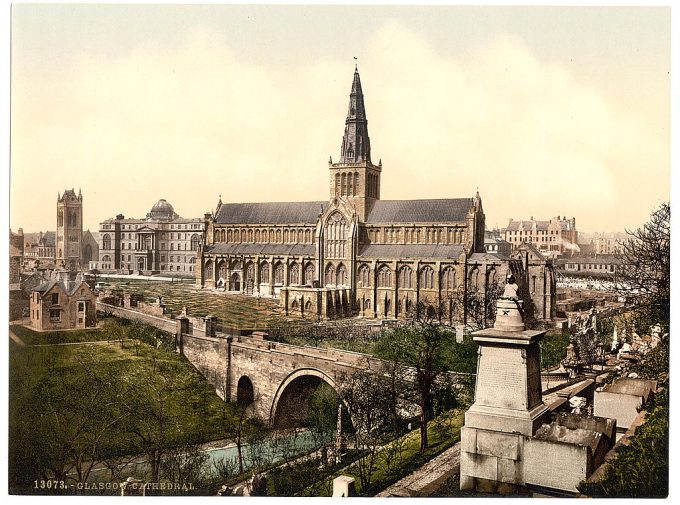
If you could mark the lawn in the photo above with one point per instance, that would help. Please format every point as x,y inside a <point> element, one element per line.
<point>239,311</point>
<point>108,329</point>
<point>443,432</point>
<point>125,396</point>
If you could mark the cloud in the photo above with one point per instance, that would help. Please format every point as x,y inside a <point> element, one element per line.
<point>194,120</point>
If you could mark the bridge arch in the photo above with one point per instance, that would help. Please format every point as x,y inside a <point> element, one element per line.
<point>245,391</point>
<point>296,388</point>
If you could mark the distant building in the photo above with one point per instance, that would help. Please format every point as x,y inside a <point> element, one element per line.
<point>601,265</point>
<point>163,242</point>
<point>39,250</point>
<point>495,244</point>
<point>69,229</point>
<point>61,304</point>
<point>555,237</point>
<point>90,249</point>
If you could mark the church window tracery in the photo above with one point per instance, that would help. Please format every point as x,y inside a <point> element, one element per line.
<point>384,277</point>
<point>330,275</point>
<point>336,236</point>
<point>405,277</point>
<point>341,277</point>
<point>278,273</point>
<point>427,278</point>
<point>364,276</point>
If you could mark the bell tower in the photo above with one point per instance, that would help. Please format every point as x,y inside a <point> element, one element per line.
<point>69,229</point>
<point>355,178</point>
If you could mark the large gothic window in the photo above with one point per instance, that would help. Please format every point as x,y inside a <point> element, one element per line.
<point>449,278</point>
<point>341,277</point>
<point>208,269</point>
<point>405,277</point>
<point>294,274</point>
<point>336,236</point>
<point>264,272</point>
<point>427,278</point>
<point>384,277</point>
<point>364,276</point>
<point>250,271</point>
<point>330,275</point>
<point>222,270</point>
<point>278,273</point>
<point>106,241</point>
<point>309,274</point>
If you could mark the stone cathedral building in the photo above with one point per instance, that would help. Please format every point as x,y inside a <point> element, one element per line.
<point>356,254</point>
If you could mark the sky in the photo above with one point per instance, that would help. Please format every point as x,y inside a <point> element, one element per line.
<point>546,111</point>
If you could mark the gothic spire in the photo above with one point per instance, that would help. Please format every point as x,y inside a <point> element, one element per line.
<point>356,146</point>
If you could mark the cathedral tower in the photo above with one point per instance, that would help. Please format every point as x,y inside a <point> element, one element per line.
<point>355,178</point>
<point>69,229</point>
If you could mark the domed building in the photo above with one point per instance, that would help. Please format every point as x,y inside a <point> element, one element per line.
<point>161,243</point>
<point>162,210</point>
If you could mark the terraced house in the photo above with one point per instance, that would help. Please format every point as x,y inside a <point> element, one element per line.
<point>357,254</point>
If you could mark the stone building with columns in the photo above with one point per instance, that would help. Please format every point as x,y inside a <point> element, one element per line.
<point>355,253</point>
<point>161,243</point>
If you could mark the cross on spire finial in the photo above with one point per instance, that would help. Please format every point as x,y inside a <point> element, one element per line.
<point>355,63</point>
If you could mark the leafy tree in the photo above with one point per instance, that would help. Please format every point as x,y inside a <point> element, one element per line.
<point>645,264</point>
<point>370,404</point>
<point>424,348</point>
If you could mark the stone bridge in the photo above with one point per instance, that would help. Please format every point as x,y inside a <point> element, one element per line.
<point>277,379</point>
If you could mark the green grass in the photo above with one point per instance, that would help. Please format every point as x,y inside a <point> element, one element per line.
<point>238,311</point>
<point>553,349</point>
<point>109,329</point>
<point>55,384</point>
<point>443,432</point>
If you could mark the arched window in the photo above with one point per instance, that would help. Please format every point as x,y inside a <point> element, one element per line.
<point>384,277</point>
<point>257,235</point>
<point>106,257</point>
<point>286,236</point>
<point>308,236</point>
<point>474,278</point>
<point>250,271</point>
<point>330,275</point>
<point>208,269</point>
<point>341,276</point>
<point>343,191</point>
<point>264,272</point>
<point>106,241</point>
<point>278,273</point>
<point>336,236</point>
<point>427,278</point>
<point>222,270</point>
<point>196,240</point>
<point>449,278</point>
<point>309,274</point>
<point>337,184</point>
<point>278,236</point>
<point>364,276</point>
<point>405,277</point>
<point>294,274</point>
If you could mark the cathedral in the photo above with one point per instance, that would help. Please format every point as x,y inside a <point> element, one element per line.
<point>355,254</point>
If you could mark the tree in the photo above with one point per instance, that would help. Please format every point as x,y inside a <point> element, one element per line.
<point>423,347</point>
<point>644,270</point>
<point>369,401</point>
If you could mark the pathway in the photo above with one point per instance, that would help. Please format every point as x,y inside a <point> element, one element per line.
<point>427,479</point>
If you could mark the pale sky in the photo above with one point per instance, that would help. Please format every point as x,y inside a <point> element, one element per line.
<point>548,111</point>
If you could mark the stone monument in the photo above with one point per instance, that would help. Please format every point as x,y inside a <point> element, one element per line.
<point>509,443</point>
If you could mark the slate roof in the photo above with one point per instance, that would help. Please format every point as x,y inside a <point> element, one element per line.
<point>420,211</point>
<point>269,213</point>
<point>403,251</point>
<point>49,238</point>
<point>266,249</point>
<point>527,225</point>
<point>69,287</point>
<point>383,211</point>
<point>496,257</point>
<point>532,249</point>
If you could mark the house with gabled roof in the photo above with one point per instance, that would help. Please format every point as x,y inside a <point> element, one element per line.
<point>62,304</point>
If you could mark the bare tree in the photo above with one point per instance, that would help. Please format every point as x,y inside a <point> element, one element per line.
<point>644,270</point>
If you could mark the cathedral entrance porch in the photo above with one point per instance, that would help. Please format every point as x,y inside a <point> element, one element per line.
<point>318,303</point>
